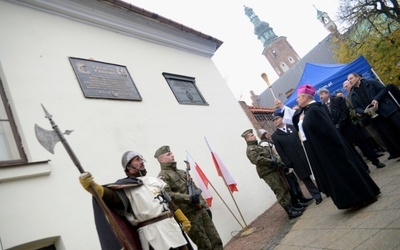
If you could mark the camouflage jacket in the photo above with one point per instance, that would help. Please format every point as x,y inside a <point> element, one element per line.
<point>261,157</point>
<point>177,187</point>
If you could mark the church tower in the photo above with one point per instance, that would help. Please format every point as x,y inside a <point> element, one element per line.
<point>279,53</point>
<point>324,18</point>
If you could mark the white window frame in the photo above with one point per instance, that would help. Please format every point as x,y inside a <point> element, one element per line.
<point>11,148</point>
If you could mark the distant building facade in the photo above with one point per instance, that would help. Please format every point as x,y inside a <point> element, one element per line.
<point>259,117</point>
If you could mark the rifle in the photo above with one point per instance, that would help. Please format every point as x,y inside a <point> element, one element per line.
<point>190,186</point>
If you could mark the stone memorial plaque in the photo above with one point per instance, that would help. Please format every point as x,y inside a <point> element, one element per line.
<point>184,89</point>
<point>104,80</point>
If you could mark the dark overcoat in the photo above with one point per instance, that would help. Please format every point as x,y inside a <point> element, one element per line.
<point>291,151</point>
<point>375,91</point>
<point>336,167</point>
<point>340,116</point>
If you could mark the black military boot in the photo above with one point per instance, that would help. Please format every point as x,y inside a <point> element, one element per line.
<point>299,204</point>
<point>298,208</point>
<point>305,200</point>
<point>292,213</point>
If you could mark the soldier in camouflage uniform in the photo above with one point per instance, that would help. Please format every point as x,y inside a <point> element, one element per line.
<point>202,232</point>
<point>267,169</point>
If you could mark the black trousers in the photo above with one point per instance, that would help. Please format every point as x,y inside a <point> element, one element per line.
<point>389,130</point>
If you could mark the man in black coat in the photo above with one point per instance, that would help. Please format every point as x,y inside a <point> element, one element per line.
<point>288,145</point>
<point>367,92</point>
<point>340,115</point>
<point>337,170</point>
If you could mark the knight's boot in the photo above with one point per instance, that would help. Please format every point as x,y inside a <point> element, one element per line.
<point>292,212</point>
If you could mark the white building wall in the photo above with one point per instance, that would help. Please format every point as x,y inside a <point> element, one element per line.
<point>46,200</point>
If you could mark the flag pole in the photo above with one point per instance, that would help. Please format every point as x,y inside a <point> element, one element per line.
<point>226,204</point>
<point>246,229</point>
<point>209,182</point>
<point>391,95</point>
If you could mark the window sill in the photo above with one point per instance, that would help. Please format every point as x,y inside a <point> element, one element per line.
<point>25,170</point>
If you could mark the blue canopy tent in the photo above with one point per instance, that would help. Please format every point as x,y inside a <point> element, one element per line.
<point>330,76</point>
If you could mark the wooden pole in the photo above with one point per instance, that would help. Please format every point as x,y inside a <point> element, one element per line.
<point>114,225</point>
<point>246,229</point>
<point>225,204</point>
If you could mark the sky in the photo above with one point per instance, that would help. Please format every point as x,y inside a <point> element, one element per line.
<point>239,59</point>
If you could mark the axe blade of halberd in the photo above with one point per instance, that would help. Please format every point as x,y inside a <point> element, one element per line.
<point>48,138</point>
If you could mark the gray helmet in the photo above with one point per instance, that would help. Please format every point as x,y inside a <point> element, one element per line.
<point>128,156</point>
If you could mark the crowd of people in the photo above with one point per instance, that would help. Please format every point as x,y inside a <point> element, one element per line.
<point>324,137</point>
<point>312,140</point>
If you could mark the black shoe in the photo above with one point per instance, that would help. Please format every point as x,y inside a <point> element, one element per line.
<point>292,213</point>
<point>305,200</point>
<point>318,201</point>
<point>379,164</point>
<point>393,157</point>
<point>379,154</point>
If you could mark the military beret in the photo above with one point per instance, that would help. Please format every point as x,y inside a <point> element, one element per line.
<point>245,133</point>
<point>162,150</point>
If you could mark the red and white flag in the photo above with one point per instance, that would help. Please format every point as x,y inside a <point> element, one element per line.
<point>200,179</point>
<point>222,170</point>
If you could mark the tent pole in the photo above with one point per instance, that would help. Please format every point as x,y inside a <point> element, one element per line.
<point>394,99</point>
<point>376,75</point>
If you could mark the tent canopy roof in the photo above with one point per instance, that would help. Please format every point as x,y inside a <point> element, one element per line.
<point>330,76</point>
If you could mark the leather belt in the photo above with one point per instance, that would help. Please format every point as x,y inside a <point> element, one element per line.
<point>155,219</point>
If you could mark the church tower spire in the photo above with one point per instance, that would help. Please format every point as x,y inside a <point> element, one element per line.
<point>262,30</point>
<point>279,53</point>
<point>324,18</point>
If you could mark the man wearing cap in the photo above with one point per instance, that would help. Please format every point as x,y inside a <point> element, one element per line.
<point>203,231</point>
<point>287,172</point>
<point>143,202</point>
<point>288,146</point>
<point>267,169</point>
<point>336,167</point>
